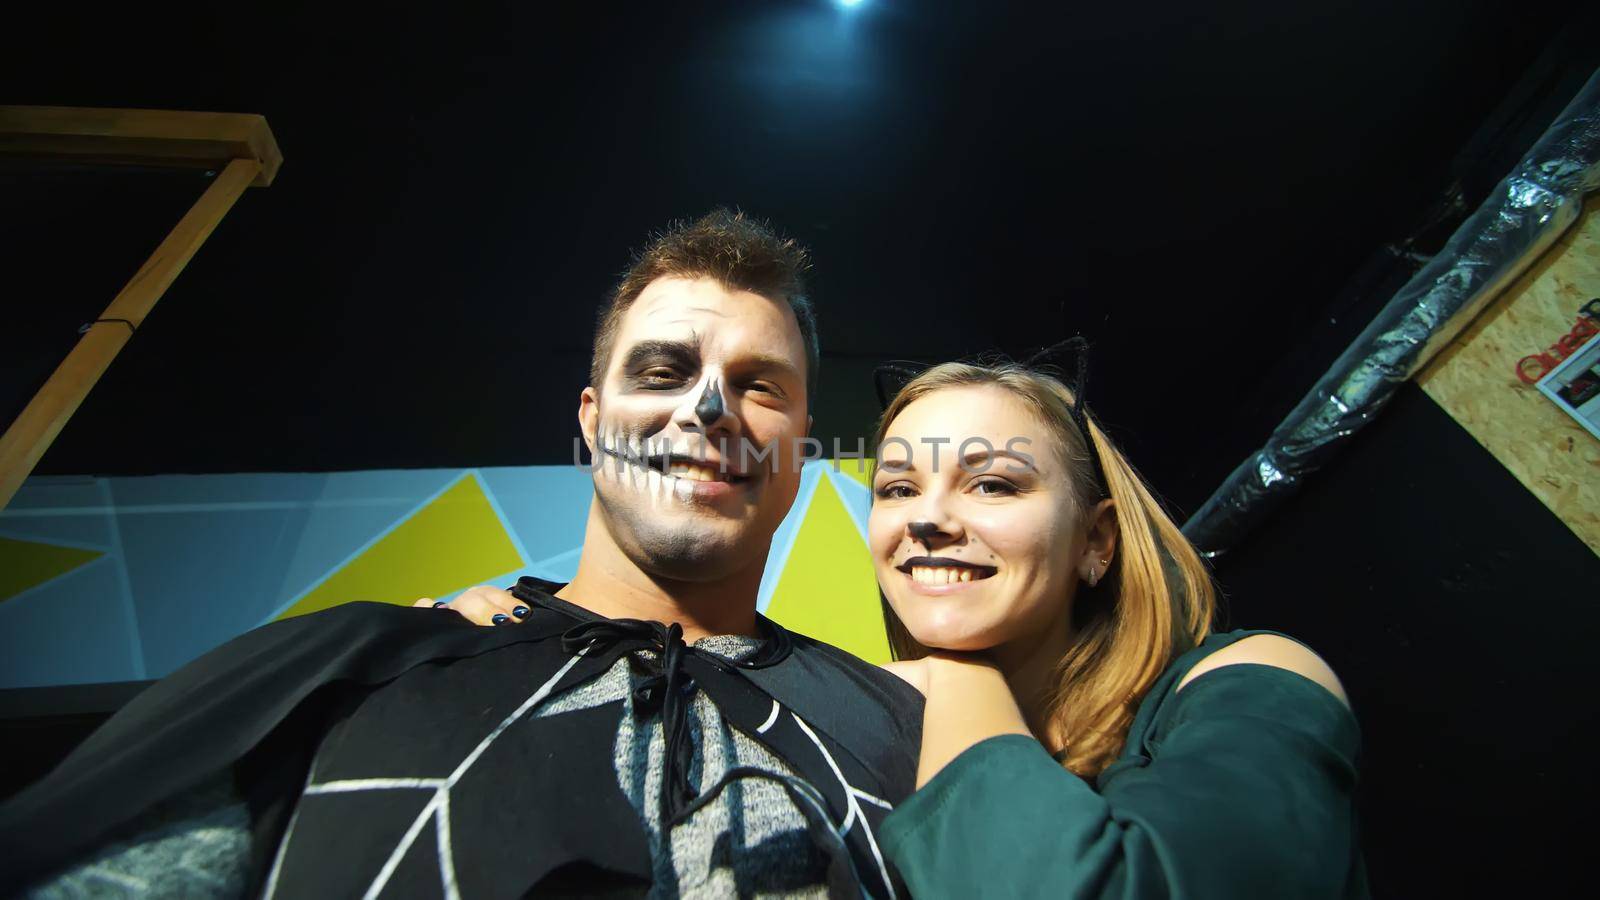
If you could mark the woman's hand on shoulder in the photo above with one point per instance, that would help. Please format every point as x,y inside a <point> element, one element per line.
<point>483,605</point>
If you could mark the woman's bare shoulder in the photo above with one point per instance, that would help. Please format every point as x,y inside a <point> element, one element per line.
<point>1271,650</point>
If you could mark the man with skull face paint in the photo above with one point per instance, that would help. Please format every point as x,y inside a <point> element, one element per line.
<point>641,729</point>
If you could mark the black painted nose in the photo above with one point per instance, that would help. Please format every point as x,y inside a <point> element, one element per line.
<point>710,408</point>
<point>923,533</point>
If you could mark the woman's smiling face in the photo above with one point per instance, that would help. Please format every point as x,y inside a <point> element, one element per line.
<point>977,551</point>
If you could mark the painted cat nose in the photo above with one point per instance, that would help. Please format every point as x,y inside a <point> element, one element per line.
<point>923,532</point>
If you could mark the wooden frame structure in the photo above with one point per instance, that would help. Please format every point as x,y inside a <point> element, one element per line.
<point>239,148</point>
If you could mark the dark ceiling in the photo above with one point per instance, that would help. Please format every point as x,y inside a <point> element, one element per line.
<point>1192,187</point>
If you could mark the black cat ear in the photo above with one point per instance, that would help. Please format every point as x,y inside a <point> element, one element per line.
<point>1070,355</point>
<point>890,377</point>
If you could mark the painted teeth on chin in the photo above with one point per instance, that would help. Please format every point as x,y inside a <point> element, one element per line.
<point>657,476</point>
<point>610,463</point>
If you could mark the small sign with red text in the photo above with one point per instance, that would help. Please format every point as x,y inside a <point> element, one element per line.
<point>1574,384</point>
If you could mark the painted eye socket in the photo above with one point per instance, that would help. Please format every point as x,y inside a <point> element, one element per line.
<point>659,376</point>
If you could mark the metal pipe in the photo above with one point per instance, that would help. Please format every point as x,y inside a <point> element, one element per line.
<point>1525,214</point>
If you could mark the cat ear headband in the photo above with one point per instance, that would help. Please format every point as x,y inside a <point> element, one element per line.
<point>1071,355</point>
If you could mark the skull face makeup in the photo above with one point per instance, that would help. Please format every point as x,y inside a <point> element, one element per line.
<point>694,428</point>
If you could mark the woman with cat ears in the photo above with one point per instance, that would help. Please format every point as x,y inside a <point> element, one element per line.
<point>1085,733</point>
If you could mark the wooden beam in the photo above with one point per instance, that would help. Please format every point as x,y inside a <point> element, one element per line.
<point>1476,379</point>
<point>148,137</point>
<point>32,433</point>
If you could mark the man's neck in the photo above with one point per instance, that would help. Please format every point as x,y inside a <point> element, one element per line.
<point>610,584</point>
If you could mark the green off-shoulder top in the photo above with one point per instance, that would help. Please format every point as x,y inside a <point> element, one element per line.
<point>1241,785</point>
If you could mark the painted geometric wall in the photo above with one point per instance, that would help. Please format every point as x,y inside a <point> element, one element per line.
<point>117,579</point>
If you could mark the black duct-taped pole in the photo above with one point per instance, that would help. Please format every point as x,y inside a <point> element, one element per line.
<point>1525,214</point>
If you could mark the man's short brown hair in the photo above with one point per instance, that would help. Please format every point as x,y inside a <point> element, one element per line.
<point>740,252</point>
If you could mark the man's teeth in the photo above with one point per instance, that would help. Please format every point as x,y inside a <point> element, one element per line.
<point>942,574</point>
<point>693,472</point>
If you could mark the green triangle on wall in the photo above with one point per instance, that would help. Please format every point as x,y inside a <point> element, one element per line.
<point>828,589</point>
<point>27,564</point>
<point>454,541</point>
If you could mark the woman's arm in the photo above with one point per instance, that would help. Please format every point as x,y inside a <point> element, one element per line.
<point>968,702</point>
<point>1247,790</point>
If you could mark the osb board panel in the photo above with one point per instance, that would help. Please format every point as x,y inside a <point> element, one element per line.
<point>1475,380</point>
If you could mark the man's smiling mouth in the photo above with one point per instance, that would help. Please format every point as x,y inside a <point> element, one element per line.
<point>944,570</point>
<point>678,466</point>
<point>675,465</point>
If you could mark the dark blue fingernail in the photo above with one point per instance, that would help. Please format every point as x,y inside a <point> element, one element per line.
<point>439,603</point>
<point>500,618</point>
<point>520,611</point>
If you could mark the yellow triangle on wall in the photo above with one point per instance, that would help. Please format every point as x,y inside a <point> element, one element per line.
<point>25,564</point>
<point>828,589</point>
<point>454,541</point>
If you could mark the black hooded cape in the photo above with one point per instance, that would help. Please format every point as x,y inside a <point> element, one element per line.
<point>261,703</point>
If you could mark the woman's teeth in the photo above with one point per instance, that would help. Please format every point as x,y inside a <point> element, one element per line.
<point>693,473</point>
<point>941,574</point>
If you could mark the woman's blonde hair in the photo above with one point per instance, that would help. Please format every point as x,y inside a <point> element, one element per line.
<point>1154,603</point>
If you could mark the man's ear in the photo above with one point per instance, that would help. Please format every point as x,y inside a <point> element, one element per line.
<point>589,416</point>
